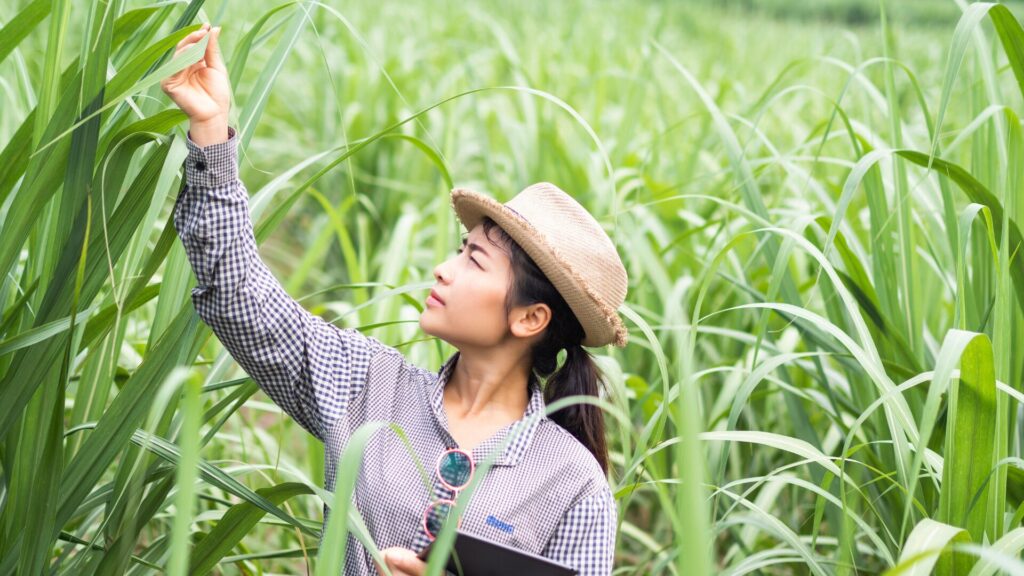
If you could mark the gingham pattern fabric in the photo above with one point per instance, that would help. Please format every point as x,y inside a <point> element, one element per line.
<point>545,493</point>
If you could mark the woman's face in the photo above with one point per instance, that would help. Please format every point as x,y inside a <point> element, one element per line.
<point>472,285</point>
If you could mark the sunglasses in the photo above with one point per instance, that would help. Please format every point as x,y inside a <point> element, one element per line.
<point>454,469</point>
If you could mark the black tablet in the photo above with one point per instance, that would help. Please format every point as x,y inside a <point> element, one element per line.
<point>479,557</point>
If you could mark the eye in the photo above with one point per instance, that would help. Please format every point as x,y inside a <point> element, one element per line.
<point>459,251</point>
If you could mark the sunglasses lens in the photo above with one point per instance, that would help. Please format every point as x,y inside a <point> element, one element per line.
<point>455,468</point>
<point>436,515</point>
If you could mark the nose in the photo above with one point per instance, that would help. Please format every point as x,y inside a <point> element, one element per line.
<point>440,272</point>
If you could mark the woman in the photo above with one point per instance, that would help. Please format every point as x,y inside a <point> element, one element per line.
<point>534,276</point>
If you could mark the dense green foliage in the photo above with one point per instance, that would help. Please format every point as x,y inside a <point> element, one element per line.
<point>821,225</point>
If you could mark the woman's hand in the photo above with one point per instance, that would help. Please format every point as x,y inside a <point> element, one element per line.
<point>202,90</point>
<point>402,562</point>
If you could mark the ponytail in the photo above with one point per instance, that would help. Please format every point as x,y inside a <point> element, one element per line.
<point>579,375</point>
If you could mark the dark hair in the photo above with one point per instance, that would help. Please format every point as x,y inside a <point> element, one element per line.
<point>579,373</point>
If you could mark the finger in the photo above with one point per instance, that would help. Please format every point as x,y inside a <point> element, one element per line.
<point>214,59</point>
<point>386,557</point>
<point>186,72</point>
<point>406,561</point>
<point>189,40</point>
<point>200,63</point>
<point>174,79</point>
<point>195,66</point>
<point>397,571</point>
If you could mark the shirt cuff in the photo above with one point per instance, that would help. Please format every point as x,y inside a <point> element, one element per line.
<point>212,165</point>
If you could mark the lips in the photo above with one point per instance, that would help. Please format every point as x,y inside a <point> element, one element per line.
<point>436,297</point>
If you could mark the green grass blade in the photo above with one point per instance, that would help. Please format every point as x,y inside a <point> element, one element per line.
<point>926,543</point>
<point>184,501</point>
<point>22,25</point>
<point>236,523</point>
<point>970,440</point>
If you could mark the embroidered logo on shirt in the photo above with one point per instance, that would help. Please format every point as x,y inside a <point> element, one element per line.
<point>504,527</point>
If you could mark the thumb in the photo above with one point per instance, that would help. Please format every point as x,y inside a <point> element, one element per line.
<point>214,59</point>
<point>404,559</point>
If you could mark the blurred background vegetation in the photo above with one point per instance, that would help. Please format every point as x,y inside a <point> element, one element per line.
<point>817,204</point>
<point>861,13</point>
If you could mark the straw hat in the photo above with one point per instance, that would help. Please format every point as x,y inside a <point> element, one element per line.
<point>568,245</point>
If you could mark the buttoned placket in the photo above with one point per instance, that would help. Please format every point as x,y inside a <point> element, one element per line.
<point>478,453</point>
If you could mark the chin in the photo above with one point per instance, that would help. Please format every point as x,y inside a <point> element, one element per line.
<point>430,331</point>
<point>425,326</point>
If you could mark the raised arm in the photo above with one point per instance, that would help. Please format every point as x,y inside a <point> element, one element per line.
<point>309,367</point>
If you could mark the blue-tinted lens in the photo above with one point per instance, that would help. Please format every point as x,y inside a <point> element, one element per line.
<point>455,469</point>
<point>435,518</point>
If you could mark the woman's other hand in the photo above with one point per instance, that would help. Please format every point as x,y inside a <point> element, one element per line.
<point>202,90</point>
<point>402,562</point>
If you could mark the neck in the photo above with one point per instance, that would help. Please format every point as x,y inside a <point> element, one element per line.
<point>488,384</point>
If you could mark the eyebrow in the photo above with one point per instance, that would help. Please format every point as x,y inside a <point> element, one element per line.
<point>474,247</point>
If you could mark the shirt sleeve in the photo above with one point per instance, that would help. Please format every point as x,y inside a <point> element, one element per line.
<point>585,538</point>
<point>308,366</point>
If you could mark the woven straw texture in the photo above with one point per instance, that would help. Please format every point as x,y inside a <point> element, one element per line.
<point>568,245</point>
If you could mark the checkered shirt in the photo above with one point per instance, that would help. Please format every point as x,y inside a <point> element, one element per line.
<point>545,493</point>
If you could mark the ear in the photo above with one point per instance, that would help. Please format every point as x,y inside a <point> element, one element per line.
<point>528,321</point>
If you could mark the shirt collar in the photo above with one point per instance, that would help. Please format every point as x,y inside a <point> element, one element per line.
<point>517,447</point>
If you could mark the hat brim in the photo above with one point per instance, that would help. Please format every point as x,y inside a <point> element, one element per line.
<point>601,324</point>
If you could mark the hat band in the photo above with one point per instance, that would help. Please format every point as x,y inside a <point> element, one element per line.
<point>516,212</point>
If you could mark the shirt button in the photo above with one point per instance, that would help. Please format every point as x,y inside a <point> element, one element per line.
<point>200,165</point>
